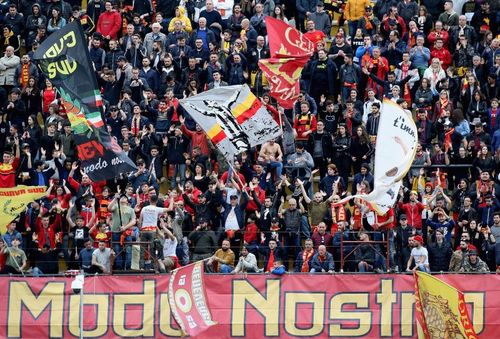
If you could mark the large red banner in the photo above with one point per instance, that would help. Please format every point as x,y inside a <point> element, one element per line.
<point>256,306</point>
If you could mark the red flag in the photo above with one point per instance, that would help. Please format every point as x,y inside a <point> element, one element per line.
<point>186,295</point>
<point>286,41</point>
<point>283,77</point>
<point>290,50</point>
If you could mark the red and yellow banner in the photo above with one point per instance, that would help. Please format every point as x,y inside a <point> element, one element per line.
<point>256,306</point>
<point>14,201</point>
<point>440,309</point>
<point>186,295</point>
<point>290,50</point>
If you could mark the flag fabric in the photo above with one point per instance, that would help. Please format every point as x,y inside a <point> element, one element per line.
<point>441,311</point>
<point>290,50</point>
<point>394,153</point>
<point>233,118</point>
<point>186,296</point>
<point>286,41</point>
<point>64,59</point>
<point>283,77</point>
<point>13,201</point>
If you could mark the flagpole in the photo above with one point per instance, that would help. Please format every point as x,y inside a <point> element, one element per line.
<point>10,253</point>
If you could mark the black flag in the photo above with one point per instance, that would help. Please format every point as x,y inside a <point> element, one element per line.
<point>64,58</point>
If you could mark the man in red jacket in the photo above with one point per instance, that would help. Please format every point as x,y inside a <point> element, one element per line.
<point>441,53</point>
<point>198,137</point>
<point>413,210</point>
<point>109,23</point>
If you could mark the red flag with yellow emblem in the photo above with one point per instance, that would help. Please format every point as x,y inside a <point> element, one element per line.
<point>290,50</point>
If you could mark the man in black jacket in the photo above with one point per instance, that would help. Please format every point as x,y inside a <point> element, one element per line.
<point>320,146</point>
<point>439,253</point>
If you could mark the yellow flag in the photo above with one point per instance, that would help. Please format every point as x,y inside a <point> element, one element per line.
<point>440,309</point>
<point>14,200</point>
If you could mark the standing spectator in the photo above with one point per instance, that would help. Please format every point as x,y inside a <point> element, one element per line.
<point>304,9</point>
<point>8,66</point>
<point>439,253</point>
<point>321,19</point>
<point>109,23</point>
<point>148,223</point>
<point>353,11</point>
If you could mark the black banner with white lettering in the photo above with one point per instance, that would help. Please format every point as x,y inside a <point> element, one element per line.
<point>64,59</point>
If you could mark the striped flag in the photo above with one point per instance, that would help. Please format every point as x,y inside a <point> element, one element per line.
<point>440,309</point>
<point>233,118</point>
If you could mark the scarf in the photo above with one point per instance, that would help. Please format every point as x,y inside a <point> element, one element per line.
<point>444,105</point>
<point>368,23</point>
<point>338,215</point>
<point>25,74</point>
<point>7,38</point>
<point>447,139</point>
<point>306,256</point>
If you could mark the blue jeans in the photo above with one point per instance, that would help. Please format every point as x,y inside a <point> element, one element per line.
<point>117,247</point>
<point>37,272</point>
<point>278,166</point>
<point>179,169</point>
<point>226,268</point>
<point>423,268</point>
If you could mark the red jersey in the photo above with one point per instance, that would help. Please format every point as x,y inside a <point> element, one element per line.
<point>8,174</point>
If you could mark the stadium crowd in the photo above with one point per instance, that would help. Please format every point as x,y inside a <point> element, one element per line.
<point>275,208</point>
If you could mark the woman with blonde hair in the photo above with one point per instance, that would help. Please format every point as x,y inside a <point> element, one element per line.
<point>434,73</point>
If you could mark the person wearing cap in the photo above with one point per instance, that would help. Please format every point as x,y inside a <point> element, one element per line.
<point>403,239</point>
<point>474,264</point>
<point>353,11</point>
<point>440,253</point>
<point>339,49</point>
<point>444,222</point>
<point>321,19</point>
<point>368,22</point>
<point>16,109</point>
<point>419,256</point>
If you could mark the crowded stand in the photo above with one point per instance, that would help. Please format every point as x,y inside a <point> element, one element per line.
<point>274,208</point>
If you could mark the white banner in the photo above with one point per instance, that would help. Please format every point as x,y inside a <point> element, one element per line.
<point>233,118</point>
<point>394,152</point>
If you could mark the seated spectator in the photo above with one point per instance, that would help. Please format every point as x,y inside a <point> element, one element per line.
<point>419,256</point>
<point>247,263</point>
<point>474,264</point>
<point>322,261</point>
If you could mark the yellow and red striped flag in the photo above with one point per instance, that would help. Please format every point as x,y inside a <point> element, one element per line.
<point>233,118</point>
<point>440,309</point>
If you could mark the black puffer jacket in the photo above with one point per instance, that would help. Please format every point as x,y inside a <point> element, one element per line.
<point>439,256</point>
